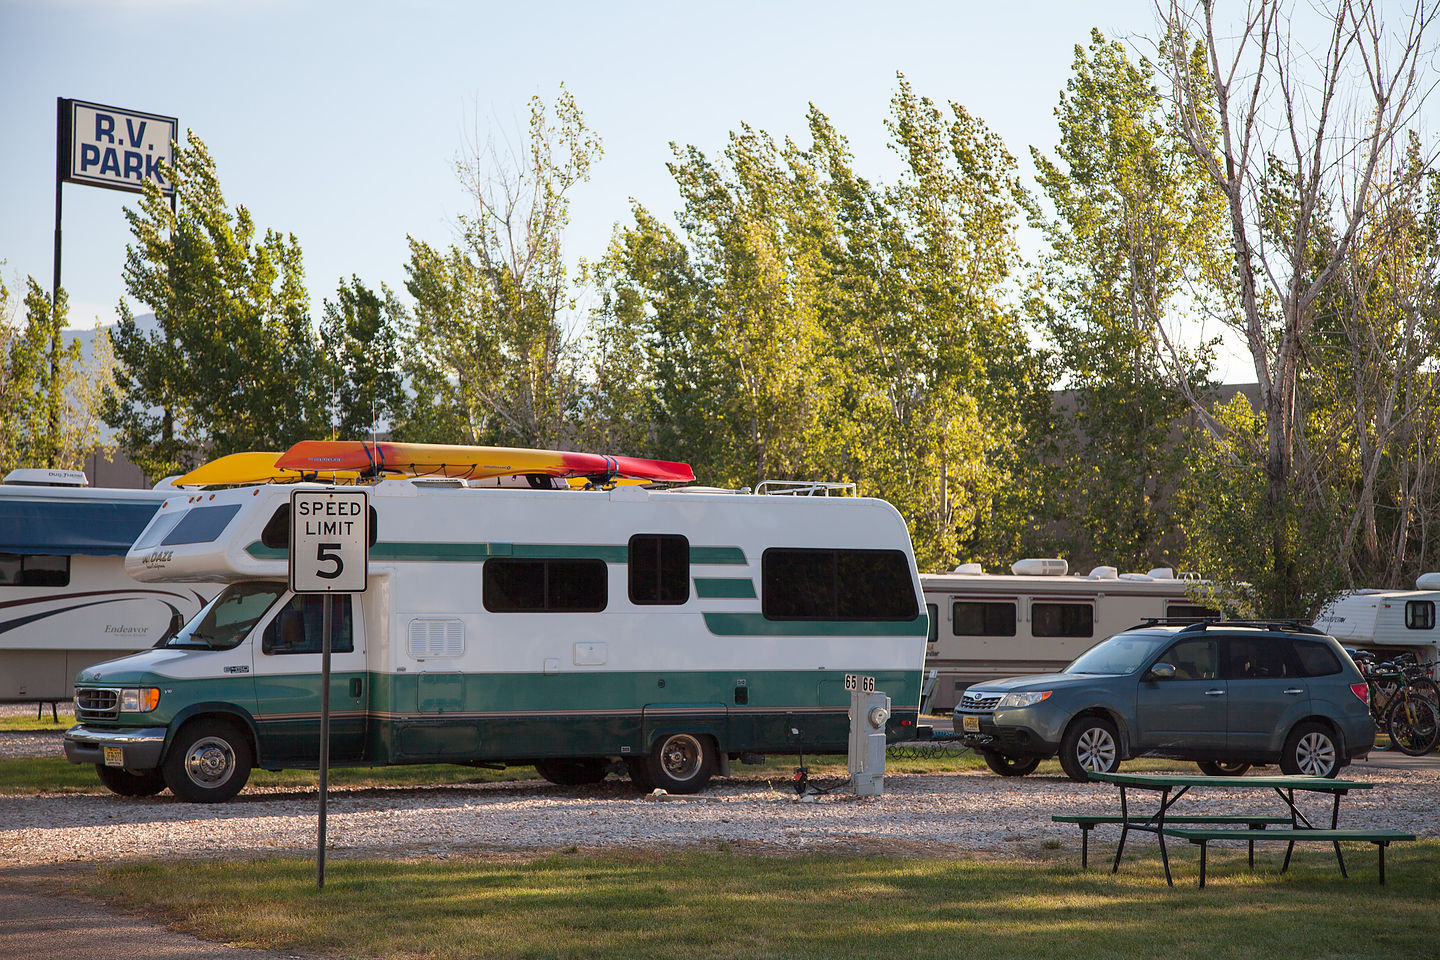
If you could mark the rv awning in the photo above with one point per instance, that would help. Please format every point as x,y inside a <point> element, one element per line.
<point>91,528</point>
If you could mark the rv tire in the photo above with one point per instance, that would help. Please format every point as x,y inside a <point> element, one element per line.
<point>1009,766</point>
<point>572,771</point>
<point>639,772</point>
<point>209,762</point>
<point>682,762</point>
<point>124,783</point>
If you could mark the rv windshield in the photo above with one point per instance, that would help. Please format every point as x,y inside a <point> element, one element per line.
<point>1121,654</point>
<point>230,617</point>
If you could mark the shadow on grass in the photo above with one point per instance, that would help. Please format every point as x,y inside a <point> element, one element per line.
<point>714,904</point>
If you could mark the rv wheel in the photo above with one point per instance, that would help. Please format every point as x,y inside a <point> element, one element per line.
<point>209,762</point>
<point>127,784</point>
<point>682,763</point>
<point>639,770</point>
<point>572,771</point>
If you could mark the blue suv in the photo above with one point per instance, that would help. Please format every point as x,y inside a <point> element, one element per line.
<point>1227,694</point>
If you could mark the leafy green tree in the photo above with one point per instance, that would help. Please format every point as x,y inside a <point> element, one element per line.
<point>233,363</point>
<point>494,356</point>
<point>804,322</point>
<point>361,334</point>
<point>1135,238</point>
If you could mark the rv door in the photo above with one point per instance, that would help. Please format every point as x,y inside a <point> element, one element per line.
<point>287,658</point>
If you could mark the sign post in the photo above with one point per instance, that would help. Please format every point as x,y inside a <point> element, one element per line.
<point>329,554</point>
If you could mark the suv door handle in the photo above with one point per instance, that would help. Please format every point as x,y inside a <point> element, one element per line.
<point>1294,690</point>
<point>1214,693</point>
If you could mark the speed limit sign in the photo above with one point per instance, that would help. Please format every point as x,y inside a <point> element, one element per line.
<point>329,541</point>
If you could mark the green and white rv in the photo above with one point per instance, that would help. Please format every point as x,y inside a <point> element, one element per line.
<point>662,632</point>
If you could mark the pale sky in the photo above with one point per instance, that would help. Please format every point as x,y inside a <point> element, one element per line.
<point>341,122</point>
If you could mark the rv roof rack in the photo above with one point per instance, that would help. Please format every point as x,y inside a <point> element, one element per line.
<point>807,488</point>
<point>1205,623</point>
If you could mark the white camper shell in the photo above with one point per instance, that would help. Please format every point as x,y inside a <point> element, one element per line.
<point>1035,619</point>
<point>668,629</point>
<point>66,602</point>
<point>1387,622</point>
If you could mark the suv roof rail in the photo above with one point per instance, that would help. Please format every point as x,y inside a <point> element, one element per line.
<point>1206,623</point>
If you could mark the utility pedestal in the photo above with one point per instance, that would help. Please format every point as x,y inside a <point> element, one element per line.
<point>869,711</point>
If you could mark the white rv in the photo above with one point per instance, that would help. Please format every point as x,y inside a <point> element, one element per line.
<point>66,601</point>
<point>576,629</point>
<point>1035,619</point>
<point>1387,622</point>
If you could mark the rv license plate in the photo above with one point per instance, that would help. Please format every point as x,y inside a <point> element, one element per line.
<point>970,724</point>
<point>114,757</point>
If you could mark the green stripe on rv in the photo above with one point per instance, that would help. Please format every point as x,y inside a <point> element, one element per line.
<point>403,552</point>
<point>725,588</point>
<point>755,625</point>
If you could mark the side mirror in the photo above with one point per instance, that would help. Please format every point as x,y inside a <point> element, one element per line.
<point>1161,671</point>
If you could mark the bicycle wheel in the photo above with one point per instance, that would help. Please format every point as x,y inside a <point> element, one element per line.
<point>1425,687</point>
<point>1414,725</point>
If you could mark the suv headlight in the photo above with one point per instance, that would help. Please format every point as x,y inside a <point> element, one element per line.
<point>141,700</point>
<point>1022,699</point>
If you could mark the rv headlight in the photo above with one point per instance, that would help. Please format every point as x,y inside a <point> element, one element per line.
<point>1022,699</point>
<point>141,700</point>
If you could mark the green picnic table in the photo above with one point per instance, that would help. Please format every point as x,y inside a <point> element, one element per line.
<point>1172,787</point>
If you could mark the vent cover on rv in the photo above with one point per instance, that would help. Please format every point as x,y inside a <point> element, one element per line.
<point>436,639</point>
<point>1040,567</point>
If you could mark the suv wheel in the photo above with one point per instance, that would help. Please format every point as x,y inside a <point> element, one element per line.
<point>1222,768</point>
<point>1091,745</point>
<point>1009,766</point>
<point>1311,750</point>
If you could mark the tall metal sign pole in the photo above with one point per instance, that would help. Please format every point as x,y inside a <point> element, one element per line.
<point>329,554</point>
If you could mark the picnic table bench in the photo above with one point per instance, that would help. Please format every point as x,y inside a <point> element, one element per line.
<point>1088,822</point>
<point>1381,839</point>
<point>1201,829</point>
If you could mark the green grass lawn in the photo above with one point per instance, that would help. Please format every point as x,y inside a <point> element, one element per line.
<point>721,903</point>
<point>28,722</point>
<point>57,775</point>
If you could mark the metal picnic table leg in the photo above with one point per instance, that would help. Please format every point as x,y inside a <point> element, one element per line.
<point>1335,825</point>
<point>1160,834</point>
<point>1124,829</point>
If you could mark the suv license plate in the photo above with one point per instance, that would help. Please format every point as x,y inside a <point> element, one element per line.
<point>114,757</point>
<point>970,724</point>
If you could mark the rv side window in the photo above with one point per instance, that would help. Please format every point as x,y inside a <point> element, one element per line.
<point>1191,611</point>
<point>545,586</point>
<point>1420,614</point>
<point>34,570</point>
<point>800,584</point>
<point>300,627</point>
<point>1062,619</point>
<point>975,618</point>
<point>201,525</point>
<point>659,569</point>
<point>932,612</point>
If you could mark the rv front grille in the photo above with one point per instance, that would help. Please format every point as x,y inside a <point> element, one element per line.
<point>92,704</point>
<point>979,701</point>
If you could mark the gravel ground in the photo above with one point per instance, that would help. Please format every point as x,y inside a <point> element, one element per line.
<point>919,813</point>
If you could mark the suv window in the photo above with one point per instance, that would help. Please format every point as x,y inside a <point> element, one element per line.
<point>1193,659</point>
<point>1261,658</point>
<point>1316,659</point>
